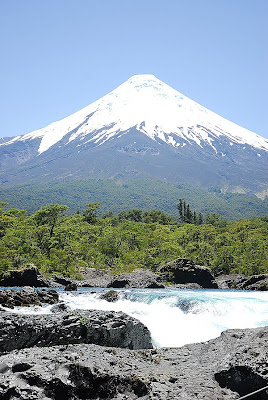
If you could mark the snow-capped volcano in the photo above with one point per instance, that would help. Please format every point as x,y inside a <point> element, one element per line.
<point>136,119</point>
<point>153,108</point>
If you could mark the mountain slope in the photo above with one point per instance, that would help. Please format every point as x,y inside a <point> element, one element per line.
<point>143,129</point>
<point>117,196</point>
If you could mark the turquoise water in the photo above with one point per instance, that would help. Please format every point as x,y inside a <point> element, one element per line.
<point>176,316</point>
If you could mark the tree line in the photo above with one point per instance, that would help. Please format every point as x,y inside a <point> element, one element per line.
<point>189,216</point>
<point>61,243</point>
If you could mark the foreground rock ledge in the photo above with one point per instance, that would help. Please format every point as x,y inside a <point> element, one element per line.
<point>224,368</point>
<point>105,328</point>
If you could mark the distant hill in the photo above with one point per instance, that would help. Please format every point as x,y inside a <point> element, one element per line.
<point>116,195</point>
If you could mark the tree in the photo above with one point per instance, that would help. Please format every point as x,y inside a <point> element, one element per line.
<point>216,220</point>
<point>189,214</point>
<point>9,218</point>
<point>89,214</point>
<point>186,215</point>
<point>132,215</point>
<point>157,216</point>
<point>200,219</point>
<point>184,210</point>
<point>180,208</point>
<point>49,215</point>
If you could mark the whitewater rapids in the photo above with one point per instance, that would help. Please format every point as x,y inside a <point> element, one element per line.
<point>174,316</point>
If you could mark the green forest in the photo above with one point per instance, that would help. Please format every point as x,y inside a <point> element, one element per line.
<point>61,243</point>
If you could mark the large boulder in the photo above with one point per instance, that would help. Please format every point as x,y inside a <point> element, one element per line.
<point>105,328</point>
<point>184,271</point>
<point>93,277</point>
<point>27,297</point>
<point>225,368</point>
<point>111,296</point>
<point>70,287</point>
<point>139,278</point>
<point>26,277</point>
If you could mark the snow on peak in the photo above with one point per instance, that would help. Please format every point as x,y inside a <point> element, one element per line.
<point>155,109</point>
<point>158,110</point>
<point>142,78</point>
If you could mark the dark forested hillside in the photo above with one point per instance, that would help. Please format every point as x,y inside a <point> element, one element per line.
<point>117,196</point>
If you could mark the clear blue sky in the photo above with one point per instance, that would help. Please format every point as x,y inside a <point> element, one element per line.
<point>58,56</point>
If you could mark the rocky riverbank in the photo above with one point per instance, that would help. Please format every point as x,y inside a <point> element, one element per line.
<point>224,368</point>
<point>180,273</point>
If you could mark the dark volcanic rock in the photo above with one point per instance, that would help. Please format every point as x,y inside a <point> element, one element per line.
<point>119,283</point>
<point>187,286</point>
<point>183,271</point>
<point>256,282</point>
<point>95,278</point>
<point>99,327</point>
<point>139,278</point>
<point>60,307</point>
<point>59,281</point>
<point>229,281</point>
<point>27,297</point>
<point>243,282</point>
<point>222,369</point>
<point>27,277</point>
<point>110,296</point>
<point>70,287</point>
<point>62,280</point>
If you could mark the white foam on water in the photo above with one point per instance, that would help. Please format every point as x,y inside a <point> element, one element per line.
<point>209,312</point>
<point>36,310</point>
<point>176,317</point>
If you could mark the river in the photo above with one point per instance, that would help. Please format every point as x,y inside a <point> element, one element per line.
<point>175,316</point>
